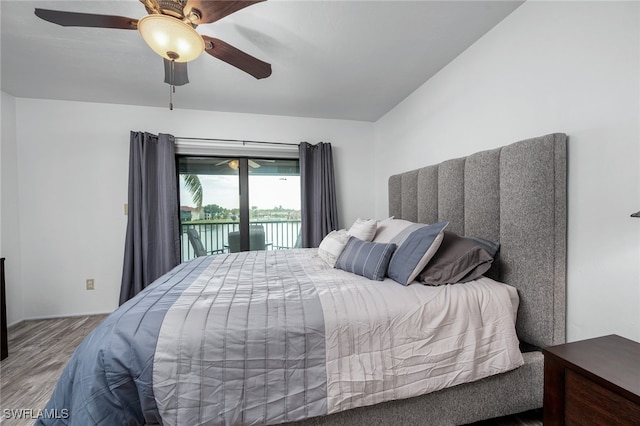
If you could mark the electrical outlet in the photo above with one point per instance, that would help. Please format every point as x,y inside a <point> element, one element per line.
<point>126,209</point>
<point>90,284</point>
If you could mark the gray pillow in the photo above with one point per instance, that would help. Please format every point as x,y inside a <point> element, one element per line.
<point>365,258</point>
<point>418,245</point>
<point>459,260</point>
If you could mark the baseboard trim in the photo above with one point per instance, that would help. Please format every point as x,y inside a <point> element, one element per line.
<point>46,317</point>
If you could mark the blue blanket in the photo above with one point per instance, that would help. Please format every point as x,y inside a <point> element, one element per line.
<point>221,308</point>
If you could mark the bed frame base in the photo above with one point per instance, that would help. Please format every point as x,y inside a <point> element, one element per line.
<point>513,392</point>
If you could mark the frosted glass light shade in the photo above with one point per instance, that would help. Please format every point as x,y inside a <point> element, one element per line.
<point>171,38</point>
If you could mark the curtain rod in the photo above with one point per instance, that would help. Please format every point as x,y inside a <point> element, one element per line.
<point>235,140</point>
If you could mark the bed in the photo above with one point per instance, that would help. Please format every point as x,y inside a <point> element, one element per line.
<point>213,341</point>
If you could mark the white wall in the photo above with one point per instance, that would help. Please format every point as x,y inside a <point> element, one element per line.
<point>9,213</point>
<point>569,67</point>
<point>73,164</point>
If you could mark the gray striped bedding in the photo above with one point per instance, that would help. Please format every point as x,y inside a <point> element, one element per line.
<point>268,337</point>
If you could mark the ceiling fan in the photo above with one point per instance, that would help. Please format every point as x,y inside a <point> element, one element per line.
<point>234,164</point>
<point>169,29</point>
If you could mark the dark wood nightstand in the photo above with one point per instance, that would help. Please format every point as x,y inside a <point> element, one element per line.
<point>592,382</point>
<point>4,344</point>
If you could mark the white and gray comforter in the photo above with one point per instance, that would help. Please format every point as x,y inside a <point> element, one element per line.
<point>275,336</point>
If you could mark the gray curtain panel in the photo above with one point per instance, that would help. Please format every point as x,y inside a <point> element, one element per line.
<point>152,244</point>
<point>319,207</point>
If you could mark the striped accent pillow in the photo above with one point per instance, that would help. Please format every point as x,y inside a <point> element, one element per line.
<point>417,244</point>
<point>365,258</point>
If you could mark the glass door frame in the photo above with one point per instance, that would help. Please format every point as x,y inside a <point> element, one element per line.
<point>244,219</point>
<point>243,169</point>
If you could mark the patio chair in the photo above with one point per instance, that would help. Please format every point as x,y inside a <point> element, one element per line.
<point>297,244</point>
<point>257,239</point>
<point>196,243</point>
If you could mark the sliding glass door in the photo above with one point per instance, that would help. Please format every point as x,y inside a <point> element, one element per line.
<point>274,202</point>
<point>238,204</point>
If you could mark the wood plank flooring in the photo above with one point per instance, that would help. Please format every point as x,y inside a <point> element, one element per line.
<point>39,351</point>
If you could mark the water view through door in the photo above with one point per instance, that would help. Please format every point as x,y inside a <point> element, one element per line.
<point>234,204</point>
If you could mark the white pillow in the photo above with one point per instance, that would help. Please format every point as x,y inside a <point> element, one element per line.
<point>389,228</point>
<point>332,246</point>
<point>364,229</point>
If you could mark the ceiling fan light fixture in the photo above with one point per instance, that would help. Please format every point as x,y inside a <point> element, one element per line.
<point>171,38</point>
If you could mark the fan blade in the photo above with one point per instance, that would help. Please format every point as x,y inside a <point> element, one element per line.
<point>236,57</point>
<point>253,164</point>
<point>175,73</point>
<point>74,19</point>
<point>211,11</point>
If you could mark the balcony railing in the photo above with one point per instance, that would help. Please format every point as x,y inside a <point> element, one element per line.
<point>215,235</point>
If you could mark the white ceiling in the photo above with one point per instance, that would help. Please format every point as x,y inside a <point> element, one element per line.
<point>331,59</point>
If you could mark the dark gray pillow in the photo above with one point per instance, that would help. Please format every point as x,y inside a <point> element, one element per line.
<point>365,258</point>
<point>459,260</point>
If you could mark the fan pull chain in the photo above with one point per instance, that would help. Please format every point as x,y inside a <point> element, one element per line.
<point>172,87</point>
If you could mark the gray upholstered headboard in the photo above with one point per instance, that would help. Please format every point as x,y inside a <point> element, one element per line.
<point>515,195</point>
